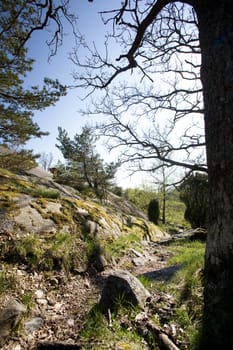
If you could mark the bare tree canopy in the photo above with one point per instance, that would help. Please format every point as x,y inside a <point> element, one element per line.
<point>160,120</point>
<point>136,28</point>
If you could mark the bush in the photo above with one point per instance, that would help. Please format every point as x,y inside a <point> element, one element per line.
<point>153,211</point>
<point>194,193</point>
<point>18,161</point>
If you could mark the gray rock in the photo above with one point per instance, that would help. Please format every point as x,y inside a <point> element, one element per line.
<point>33,325</point>
<point>91,227</point>
<point>9,317</point>
<point>122,287</point>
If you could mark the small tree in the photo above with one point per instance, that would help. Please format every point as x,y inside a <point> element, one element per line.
<point>194,193</point>
<point>153,211</point>
<point>84,166</point>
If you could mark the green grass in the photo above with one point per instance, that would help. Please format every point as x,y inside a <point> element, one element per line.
<point>120,245</point>
<point>39,192</point>
<point>187,287</point>
<point>57,251</point>
<point>99,333</point>
<point>191,256</point>
<point>8,281</point>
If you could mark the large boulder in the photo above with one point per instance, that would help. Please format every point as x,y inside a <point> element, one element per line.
<point>121,287</point>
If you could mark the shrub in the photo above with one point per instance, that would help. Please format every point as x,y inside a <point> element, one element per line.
<point>18,161</point>
<point>194,193</point>
<point>153,211</point>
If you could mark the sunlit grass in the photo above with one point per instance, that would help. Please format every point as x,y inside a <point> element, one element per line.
<point>102,331</point>
<point>120,245</point>
<point>187,286</point>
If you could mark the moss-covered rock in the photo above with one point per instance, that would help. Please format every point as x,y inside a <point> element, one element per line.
<point>38,213</point>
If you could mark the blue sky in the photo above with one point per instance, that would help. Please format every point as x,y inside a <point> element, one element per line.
<point>66,112</point>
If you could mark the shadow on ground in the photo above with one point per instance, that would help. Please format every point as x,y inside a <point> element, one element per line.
<point>164,274</point>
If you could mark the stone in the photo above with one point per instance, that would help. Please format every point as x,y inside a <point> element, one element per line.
<point>9,317</point>
<point>39,293</point>
<point>17,347</point>
<point>124,288</point>
<point>42,301</point>
<point>33,325</point>
<point>91,227</point>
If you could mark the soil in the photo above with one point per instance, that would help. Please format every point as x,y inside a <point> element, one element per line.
<point>62,301</point>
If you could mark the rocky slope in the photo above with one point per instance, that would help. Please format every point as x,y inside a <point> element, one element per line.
<point>54,245</point>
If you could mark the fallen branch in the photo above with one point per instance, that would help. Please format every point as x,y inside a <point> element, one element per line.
<point>167,342</point>
<point>146,326</point>
<point>162,338</point>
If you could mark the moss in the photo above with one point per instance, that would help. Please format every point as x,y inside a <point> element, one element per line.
<point>58,218</point>
<point>38,207</point>
<point>42,202</point>
<point>5,173</point>
<point>7,202</point>
<point>95,212</point>
<point>47,252</point>
<point>10,182</point>
<point>69,209</point>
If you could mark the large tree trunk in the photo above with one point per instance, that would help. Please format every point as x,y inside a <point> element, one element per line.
<point>216,40</point>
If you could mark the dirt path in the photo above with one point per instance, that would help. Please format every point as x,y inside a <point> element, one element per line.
<point>61,302</point>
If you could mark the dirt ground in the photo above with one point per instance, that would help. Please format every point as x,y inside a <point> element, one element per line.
<point>60,302</point>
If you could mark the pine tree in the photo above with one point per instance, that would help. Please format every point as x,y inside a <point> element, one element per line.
<point>84,167</point>
<point>17,104</point>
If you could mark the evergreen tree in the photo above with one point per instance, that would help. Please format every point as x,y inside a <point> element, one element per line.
<point>84,166</point>
<point>17,103</point>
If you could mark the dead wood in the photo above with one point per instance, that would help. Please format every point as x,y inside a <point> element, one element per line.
<point>162,339</point>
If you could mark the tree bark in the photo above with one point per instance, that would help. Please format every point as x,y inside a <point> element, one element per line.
<point>216,40</point>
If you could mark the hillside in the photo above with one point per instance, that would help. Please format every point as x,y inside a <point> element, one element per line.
<point>56,246</point>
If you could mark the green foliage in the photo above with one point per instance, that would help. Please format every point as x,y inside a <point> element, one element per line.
<point>18,161</point>
<point>117,190</point>
<point>194,193</point>
<point>17,103</point>
<point>42,193</point>
<point>153,211</point>
<point>84,166</point>
<point>175,208</point>
<point>140,197</point>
